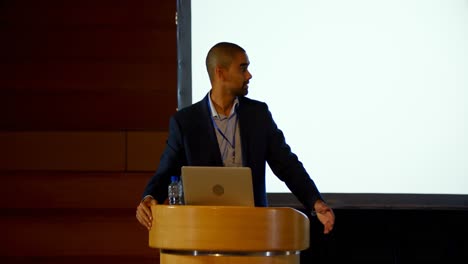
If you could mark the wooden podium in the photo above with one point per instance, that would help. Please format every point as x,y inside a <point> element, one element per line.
<point>228,234</point>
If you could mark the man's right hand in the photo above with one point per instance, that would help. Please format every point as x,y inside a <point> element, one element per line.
<point>143,212</point>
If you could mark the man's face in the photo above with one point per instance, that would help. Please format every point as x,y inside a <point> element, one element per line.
<point>237,76</point>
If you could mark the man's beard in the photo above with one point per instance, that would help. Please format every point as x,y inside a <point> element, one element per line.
<point>240,91</point>
<point>243,91</point>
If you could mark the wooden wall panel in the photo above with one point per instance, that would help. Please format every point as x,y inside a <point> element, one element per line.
<point>141,4</point>
<point>72,190</point>
<point>144,149</point>
<point>98,232</point>
<point>80,151</point>
<point>67,70</point>
<point>91,77</point>
<point>87,111</point>
<point>89,44</point>
<point>154,259</point>
<point>87,65</point>
<point>80,13</point>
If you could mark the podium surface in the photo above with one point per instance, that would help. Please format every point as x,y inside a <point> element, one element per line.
<point>228,234</point>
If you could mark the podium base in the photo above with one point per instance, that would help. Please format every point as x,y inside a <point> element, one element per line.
<point>172,258</point>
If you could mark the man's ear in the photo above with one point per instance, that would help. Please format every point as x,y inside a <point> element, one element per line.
<point>219,72</point>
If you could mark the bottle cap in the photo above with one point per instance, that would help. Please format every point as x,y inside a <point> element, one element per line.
<point>174,178</point>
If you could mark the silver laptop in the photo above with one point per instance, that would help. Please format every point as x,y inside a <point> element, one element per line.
<point>224,186</point>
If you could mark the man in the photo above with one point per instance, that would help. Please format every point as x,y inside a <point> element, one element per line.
<point>228,129</point>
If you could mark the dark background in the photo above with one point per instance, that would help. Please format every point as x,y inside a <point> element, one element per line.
<point>391,236</point>
<point>86,91</point>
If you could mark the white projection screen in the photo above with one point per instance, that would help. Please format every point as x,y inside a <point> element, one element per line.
<point>370,94</point>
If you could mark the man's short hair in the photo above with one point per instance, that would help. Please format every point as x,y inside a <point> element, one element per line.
<point>221,54</point>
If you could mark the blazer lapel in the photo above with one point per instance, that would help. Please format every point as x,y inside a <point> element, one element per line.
<point>244,128</point>
<point>212,147</point>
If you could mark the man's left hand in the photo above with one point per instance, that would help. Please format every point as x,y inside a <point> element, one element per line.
<point>325,215</point>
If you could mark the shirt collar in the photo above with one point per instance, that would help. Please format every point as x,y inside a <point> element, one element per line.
<point>213,109</point>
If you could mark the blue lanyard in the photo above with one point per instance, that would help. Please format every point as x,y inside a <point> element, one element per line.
<point>233,144</point>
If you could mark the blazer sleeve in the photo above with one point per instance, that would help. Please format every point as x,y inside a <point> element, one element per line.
<point>287,167</point>
<point>170,163</point>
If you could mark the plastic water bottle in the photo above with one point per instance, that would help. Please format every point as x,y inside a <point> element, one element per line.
<point>181,192</point>
<point>174,191</point>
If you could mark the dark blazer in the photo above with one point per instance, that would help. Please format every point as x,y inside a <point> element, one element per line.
<point>192,141</point>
